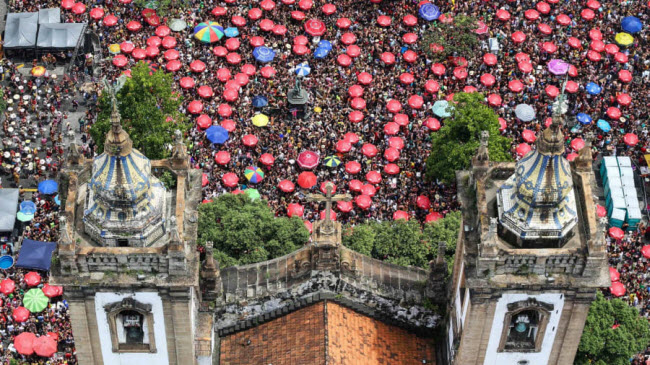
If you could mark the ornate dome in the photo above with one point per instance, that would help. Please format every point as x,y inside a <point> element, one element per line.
<point>543,180</point>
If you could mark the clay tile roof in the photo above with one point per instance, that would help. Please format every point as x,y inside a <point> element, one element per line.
<point>325,330</point>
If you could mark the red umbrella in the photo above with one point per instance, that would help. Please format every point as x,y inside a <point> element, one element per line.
<point>624,99</point>
<point>120,60</point>
<point>343,23</point>
<point>630,139</point>
<point>242,79</point>
<point>52,291</point>
<point>543,7</point>
<point>410,56</point>
<point>7,286</point>
<point>229,125</point>
<point>625,76</point>
<point>267,72</point>
<point>238,21</point>
<point>323,187</point>
<point>279,29</point>
<point>571,87</point>
<point>528,136</point>
<point>267,5</point>
<point>577,144</point>
<point>391,154</point>
<point>388,58</point>
<point>363,201</point>
<point>573,71</point>
<point>401,119</point>
<point>32,278</point>
<point>353,51</point>
<point>391,128</point>
<point>295,210</point>
<point>96,13</point>
<point>432,217</point>
<point>306,179</point>
<point>617,289</point>
<point>20,314</point>
<point>133,26</point>
<point>301,39</point>
<point>438,69</point>
<point>502,125</point>
<point>355,185</point>
<point>525,67</point>
<point>308,159</point>
<point>593,4</point>
<point>204,180</point>
<point>431,86</point>
<point>222,157</point>
<point>300,50</point>
<point>139,54</point>
<point>503,15</point>
<point>423,202</point>
<point>197,66</point>
<point>348,38</point>
<point>611,49</point>
<point>571,156</point>
<point>220,51</point>
<point>250,140</point>
<point>218,11</point>
<point>79,8</point>
<point>369,190</point>
<point>232,85</point>
<point>396,142</point>
<point>110,20</point>
<point>355,116</point>
<point>267,25</point>
<point>587,14</point>
<point>286,186</point>
<point>490,59</point>
<point>171,54</point>
<point>494,100</point>
<point>400,214</point>
<point>613,112</point>
<point>343,146</point>
<point>24,343</point>
<point>173,65</point>
<point>344,206</point>
<point>351,137</point>
<point>597,46</point>
<point>544,28</point>
<point>369,150</point>
<point>563,19</point>
<point>195,107</point>
<point>596,34</point>
<point>45,346</point>
<point>645,251</point>
<point>364,78</point>
<point>522,149</point>
<point>436,48</point>
<point>522,57</point>
<point>305,4</point>
<point>307,224</point>
<point>233,58</point>
<point>531,14</point>
<point>460,73</point>
<point>409,38</point>
<point>406,78</point>
<point>267,159</point>
<point>516,86</point>
<point>352,167</point>
<point>433,123</point>
<point>549,47</point>
<point>204,121</point>
<point>315,27</point>
<point>518,37</point>
<point>344,60</point>
<point>230,179</point>
<point>67,4</point>
<point>187,82</point>
<point>223,74</point>
<point>154,41</point>
<point>373,177</point>
<point>391,169</point>
<point>233,44</point>
<point>358,103</point>
<point>601,211</point>
<point>393,106</point>
<point>620,57</point>
<point>248,69</point>
<point>488,80</point>
<point>616,233</point>
<point>298,15</point>
<point>126,47</point>
<point>552,91</point>
<point>415,101</point>
<point>256,41</point>
<point>574,42</point>
<point>410,20</point>
<point>614,275</point>
<point>384,20</point>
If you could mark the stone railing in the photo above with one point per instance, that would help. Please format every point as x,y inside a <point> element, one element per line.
<point>105,259</point>
<point>556,262</point>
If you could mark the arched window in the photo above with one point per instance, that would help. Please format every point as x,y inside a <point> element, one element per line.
<point>524,326</point>
<point>131,326</point>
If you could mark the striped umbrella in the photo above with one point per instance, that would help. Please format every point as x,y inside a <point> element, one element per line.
<point>208,32</point>
<point>35,301</point>
<point>303,69</point>
<point>254,174</point>
<point>331,161</point>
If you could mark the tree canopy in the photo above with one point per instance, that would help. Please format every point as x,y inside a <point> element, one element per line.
<point>245,231</point>
<point>603,343</point>
<point>149,109</point>
<point>457,38</point>
<point>453,146</point>
<point>404,242</point>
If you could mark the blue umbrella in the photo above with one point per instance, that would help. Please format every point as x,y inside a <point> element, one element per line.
<point>57,200</point>
<point>604,125</point>
<point>429,12</point>
<point>303,69</point>
<point>583,118</point>
<point>231,32</point>
<point>321,53</point>
<point>28,207</point>
<point>217,134</point>
<point>263,54</point>
<point>440,108</point>
<point>48,187</point>
<point>325,44</point>
<point>631,24</point>
<point>593,88</point>
<point>260,101</point>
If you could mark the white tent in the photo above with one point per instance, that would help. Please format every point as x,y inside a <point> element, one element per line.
<point>52,15</point>
<point>59,35</point>
<point>20,30</point>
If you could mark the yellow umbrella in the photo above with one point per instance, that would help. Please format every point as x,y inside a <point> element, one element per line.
<point>624,39</point>
<point>260,120</point>
<point>318,109</point>
<point>114,48</point>
<point>38,71</point>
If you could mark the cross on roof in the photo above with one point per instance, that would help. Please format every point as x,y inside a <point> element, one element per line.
<point>328,198</point>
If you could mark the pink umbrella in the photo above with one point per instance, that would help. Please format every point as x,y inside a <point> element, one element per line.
<point>409,38</point>
<point>388,58</point>
<point>373,177</point>
<point>154,41</point>
<point>528,136</point>
<point>415,101</point>
<point>406,78</point>
<point>267,72</point>
<point>518,37</point>
<point>352,167</point>
<point>286,186</point>
<point>224,110</point>
<point>256,41</point>
<point>343,23</point>
<point>355,185</point>
<point>574,42</point>
<point>67,4</point>
<point>432,123</point>
<point>7,286</point>
<point>502,125</point>
<point>343,146</point>
<point>24,343</point>
<point>323,187</point>
<point>295,210</point>
<point>230,179</point>
<point>369,150</point>
<point>401,119</point>
<point>396,142</point>
<point>494,100</point>
<point>552,91</point>
<point>487,80</point>
<point>391,154</point>
<point>332,215</point>
<point>522,149</point>
<point>601,211</point>
<point>490,59</point>
<point>571,156</point>
<point>307,224</point>
<point>242,79</point>
<point>152,51</point>
<point>630,139</point>
<point>250,140</point>
<point>577,144</point>
<point>315,27</point>
<point>222,157</point>
<point>544,28</point>
<point>223,74</point>
<point>438,69</point>
<point>625,76</point>
<point>482,28</point>
<point>355,116</point>
<point>344,60</point>
<point>410,20</point>
<point>171,54</point>
<point>573,71</point>
<point>126,47</point>
<point>645,251</point>
<point>308,160</point>
<point>393,106</point>
<point>358,103</point>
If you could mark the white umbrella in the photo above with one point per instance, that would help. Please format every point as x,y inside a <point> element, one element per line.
<point>525,112</point>
<point>16,96</point>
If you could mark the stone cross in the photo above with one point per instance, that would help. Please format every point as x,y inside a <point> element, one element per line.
<point>328,227</point>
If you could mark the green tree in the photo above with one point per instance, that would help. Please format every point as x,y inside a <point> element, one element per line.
<point>401,242</point>
<point>453,146</point>
<point>245,231</point>
<point>601,344</point>
<point>445,229</point>
<point>146,103</point>
<point>3,103</point>
<point>457,38</point>
<point>360,238</point>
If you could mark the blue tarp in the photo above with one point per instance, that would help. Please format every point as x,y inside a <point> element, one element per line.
<point>35,255</point>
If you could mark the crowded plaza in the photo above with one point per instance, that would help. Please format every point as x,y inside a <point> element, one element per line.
<point>366,126</point>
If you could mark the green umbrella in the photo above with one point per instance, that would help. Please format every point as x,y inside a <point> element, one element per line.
<point>152,4</point>
<point>35,301</point>
<point>253,194</point>
<point>177,25</point>
<point>331,161</point>
<point>24,217</point>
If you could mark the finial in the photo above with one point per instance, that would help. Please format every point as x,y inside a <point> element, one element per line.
<point>116,126</point>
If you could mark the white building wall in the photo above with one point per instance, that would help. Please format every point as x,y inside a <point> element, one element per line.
<point>160,357</point>
<point>492,357</point>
